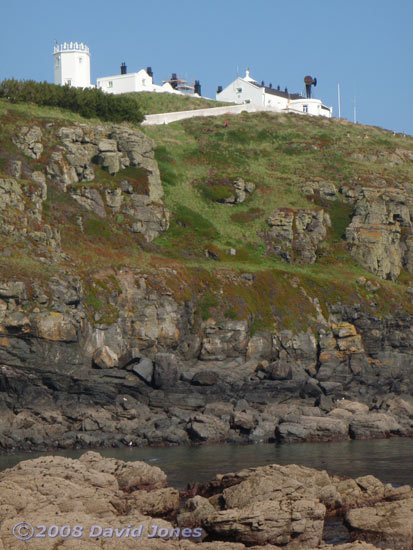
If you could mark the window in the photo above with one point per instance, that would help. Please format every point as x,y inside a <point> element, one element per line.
<point>80,59</point>
<point>143,82</point>
<point>68,81</point>
<point>305,108</point>
<point>110,84</point>
<point>239,90</point>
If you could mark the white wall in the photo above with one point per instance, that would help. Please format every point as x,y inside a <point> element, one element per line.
<point>126,83</point>
<point>314,107</point>
<point>271,100</point>
<point>241,91</point>
<point>72,65</point>
<point>166,118</point>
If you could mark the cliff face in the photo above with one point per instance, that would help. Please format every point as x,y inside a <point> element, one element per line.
<point>116,327</point>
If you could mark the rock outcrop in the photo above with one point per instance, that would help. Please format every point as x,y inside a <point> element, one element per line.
<point>113,148</point>
<point>296,234</point>
<point>380,234</point>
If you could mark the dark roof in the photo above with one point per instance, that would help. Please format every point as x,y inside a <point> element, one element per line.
<point>278,93</point>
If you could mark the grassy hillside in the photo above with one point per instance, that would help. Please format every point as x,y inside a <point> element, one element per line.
<point>279,154</point>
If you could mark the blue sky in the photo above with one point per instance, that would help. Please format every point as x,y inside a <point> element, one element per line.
<point>363,44</point>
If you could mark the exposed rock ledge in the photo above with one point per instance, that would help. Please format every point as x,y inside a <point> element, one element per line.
<point>272,507</point>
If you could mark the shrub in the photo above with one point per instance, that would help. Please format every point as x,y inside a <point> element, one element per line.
<point>87,102</point>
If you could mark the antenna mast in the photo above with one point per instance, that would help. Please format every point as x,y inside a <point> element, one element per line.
<point>339,100</point>
<point>355,110</point>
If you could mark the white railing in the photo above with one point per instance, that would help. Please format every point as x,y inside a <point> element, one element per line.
<point>69,46</point>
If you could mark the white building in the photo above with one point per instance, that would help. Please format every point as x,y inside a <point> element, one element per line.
<point>248,90</point>
<point>124,83</point>
<point>72,64</point>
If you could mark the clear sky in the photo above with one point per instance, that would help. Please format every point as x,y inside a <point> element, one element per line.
<point>365,45</point>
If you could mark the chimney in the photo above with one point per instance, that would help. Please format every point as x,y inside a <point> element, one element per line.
<point>197,87</point>
<point>123,69</point>
<point>271,85</point>
<point>149,71</point>
<point>219,89</point>
<point>174,81</point>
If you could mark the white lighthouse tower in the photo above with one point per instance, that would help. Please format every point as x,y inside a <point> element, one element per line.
<point>72,64</point>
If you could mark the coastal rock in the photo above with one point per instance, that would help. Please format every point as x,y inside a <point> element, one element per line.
<point>387,525</point>
<point>157,503</point>
<point>54,326</point>
<point>277,504</point>
<point>144,369</point>
<point>313,429</point>
<point>294,523</point>
<point>165,372</point>
<point>352,407</point>
<point>207,428</point>
<point>105,358</point>
<point>226,339</point>
<point>374,425</point>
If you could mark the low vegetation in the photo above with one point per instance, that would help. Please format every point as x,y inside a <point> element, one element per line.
<point>87,102</point>
<point>150,103</point>
<point>216,250</point>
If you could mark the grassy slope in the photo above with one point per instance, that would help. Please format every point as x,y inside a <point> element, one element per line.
<point>277,153</point>
<point>152,103</point>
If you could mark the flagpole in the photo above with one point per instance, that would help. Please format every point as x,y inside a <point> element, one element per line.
<point>339,100</point>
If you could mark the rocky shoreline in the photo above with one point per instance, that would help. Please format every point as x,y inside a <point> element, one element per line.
<point>96,502</point>
<point>131,423</point>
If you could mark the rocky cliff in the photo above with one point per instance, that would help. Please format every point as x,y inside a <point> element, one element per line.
<point>130,316</point>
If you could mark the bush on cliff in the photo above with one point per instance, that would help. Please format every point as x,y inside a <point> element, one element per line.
<point>88,102</point>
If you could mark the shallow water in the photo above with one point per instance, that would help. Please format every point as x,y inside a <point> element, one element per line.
<point>388,459</point>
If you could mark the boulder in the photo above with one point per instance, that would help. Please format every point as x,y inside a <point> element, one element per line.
<point>165,372</point>
<point>205,378</point>
<point>353,407</point>
<point>387,525</point>
<point>208,428</point>
<point>313,428</point>
<point>144,369</point>
<point>158,503</point>
<point>374,425</point>
<point>105,358</point>
<point>296,524</point>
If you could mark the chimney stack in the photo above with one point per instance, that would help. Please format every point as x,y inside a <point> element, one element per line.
<point>149,71</point>
<point>123,69</point>
<point>174,81</point>
<point>197,87</point>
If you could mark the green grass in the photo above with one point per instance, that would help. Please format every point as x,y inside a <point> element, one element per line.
<point>151,102</point>
<point>30,111</point>
<point>196,157</point>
